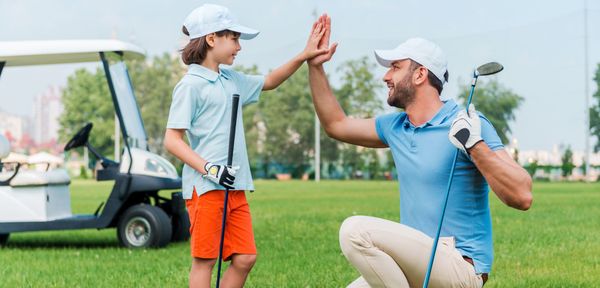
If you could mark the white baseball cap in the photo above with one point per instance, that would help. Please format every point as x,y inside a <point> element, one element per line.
<point>210,18</point>
<point>419,50</point>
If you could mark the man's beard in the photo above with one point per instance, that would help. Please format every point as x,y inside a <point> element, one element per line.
<point>403,94</point>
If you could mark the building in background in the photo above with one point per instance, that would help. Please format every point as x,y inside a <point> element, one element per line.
<point>12,127</point>
<point>47,108</point>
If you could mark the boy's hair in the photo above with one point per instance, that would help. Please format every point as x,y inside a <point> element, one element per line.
<point>195,51</point>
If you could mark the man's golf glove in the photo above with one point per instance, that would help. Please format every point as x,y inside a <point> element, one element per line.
<point>221,174</point>
<point>465,131</point>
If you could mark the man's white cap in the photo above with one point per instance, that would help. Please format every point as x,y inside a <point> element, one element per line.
<point>210,18</point>
<point>419,50</point>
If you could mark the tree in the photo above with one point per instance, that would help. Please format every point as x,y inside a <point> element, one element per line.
<point>567,162</point>
<point>86,99</point>
<point>595,112</point>
<point>288,118</point>
<point>496,102</point>
<point>153,82</point>
<point>532,167</point>
<point>358,98</point>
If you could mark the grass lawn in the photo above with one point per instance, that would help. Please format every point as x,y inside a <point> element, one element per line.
<point>555,244</point>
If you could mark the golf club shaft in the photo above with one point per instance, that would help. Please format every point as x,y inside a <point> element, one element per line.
<point>439,229</point>
<point>234,109</point>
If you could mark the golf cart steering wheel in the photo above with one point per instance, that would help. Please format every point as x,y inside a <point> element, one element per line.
<point>80,138</point>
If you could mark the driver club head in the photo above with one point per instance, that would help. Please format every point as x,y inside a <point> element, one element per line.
<point>489,69</point>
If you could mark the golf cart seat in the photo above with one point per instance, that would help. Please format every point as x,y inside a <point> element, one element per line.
<point>26,178</point>
<point>36,196</point>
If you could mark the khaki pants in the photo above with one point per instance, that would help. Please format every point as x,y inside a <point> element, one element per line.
<point>390,254</point>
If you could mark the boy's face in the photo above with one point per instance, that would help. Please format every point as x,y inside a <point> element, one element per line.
<point>226,48</point>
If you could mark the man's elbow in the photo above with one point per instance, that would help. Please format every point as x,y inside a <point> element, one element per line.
<point>525,198</point>
<point>524,203</point>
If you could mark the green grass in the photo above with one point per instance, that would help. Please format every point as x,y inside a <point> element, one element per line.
<point>555,244</point>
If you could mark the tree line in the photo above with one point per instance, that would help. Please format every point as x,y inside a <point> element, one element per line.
<point>279,128</point>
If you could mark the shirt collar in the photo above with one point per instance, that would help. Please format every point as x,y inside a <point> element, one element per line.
<point>210,75</point>
<point>439,117</point>
<point>443,113</point>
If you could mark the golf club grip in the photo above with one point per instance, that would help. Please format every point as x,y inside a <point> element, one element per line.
<point>234,108</point>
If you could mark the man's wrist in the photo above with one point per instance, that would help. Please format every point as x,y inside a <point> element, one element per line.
<point>475,147</point>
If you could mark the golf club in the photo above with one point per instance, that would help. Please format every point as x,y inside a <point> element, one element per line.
<point>234,109</point>
<point>483,70</point>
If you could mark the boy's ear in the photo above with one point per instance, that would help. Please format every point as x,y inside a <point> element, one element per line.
<point>210,39</point>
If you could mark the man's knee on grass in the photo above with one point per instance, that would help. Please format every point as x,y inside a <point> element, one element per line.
<point>351,232</point>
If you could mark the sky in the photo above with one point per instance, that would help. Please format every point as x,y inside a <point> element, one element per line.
<point>540,43</point>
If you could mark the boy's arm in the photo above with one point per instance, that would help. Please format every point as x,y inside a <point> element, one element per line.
<point>219,174</point>
<point>175,145</point>
<point>282,73</point>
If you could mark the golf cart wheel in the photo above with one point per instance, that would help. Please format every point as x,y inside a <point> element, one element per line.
<point>181,227</point>
<point>144,226</point>
<point>3,239</point>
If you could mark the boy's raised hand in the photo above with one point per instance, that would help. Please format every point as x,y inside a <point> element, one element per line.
<point>312,48</point>
<point>324,43</point>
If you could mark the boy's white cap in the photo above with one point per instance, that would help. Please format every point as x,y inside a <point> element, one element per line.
<point>419,50</point>
<point>210,18</point>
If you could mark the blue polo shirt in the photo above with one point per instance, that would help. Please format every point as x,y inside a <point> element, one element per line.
<point>423,156</point>
<point>201,105</point>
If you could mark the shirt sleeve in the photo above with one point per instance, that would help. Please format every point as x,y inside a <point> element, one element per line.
<point>489,134</point>
<point>383,125</point>
<point>248,86</point>
<point>183,106</point>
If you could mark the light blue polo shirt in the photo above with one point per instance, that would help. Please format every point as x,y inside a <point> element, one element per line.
<point>423,156</point>
<point>201,104</point>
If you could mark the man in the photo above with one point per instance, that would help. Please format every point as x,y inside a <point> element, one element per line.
<point>390,254</point>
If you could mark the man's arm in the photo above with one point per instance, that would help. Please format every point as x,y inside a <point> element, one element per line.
<point>335,122</point>
<point>510,182</point>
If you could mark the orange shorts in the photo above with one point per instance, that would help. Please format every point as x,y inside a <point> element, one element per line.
<point>206,217</point>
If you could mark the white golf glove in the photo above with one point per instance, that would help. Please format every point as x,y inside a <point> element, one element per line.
<point>465,131</point>
<point>221,174</point>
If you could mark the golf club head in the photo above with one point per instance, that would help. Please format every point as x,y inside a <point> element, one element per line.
<point>489,69</point>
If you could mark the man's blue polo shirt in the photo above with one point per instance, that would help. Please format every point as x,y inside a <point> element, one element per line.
<point>423,157</point>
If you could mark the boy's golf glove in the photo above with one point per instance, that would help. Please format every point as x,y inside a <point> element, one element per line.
<point>221,174</point>
<point>465,131</point>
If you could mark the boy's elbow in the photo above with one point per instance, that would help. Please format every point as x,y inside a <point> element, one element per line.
<point>167,143</point>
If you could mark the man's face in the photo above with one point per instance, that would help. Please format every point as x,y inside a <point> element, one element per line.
<point>399,81</point>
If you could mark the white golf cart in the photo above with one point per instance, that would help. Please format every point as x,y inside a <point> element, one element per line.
<point>39,200</point>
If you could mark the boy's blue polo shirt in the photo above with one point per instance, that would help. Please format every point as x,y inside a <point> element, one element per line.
<point>201,105</point>
<point>423,156</point>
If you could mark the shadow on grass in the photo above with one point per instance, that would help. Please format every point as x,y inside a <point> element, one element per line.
<point>63,240</point>
<point>54,243</point>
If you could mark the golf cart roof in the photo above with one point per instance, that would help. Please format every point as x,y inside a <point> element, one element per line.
<point>22,53</point>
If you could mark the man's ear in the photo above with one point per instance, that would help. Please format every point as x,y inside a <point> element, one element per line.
<point>210,39</point>
<point>420,75</point>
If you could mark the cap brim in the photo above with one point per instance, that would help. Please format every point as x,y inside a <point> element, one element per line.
<point>245,32</point>
<point>386,57</point>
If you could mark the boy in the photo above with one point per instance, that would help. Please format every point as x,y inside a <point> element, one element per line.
<point>201,108</point>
